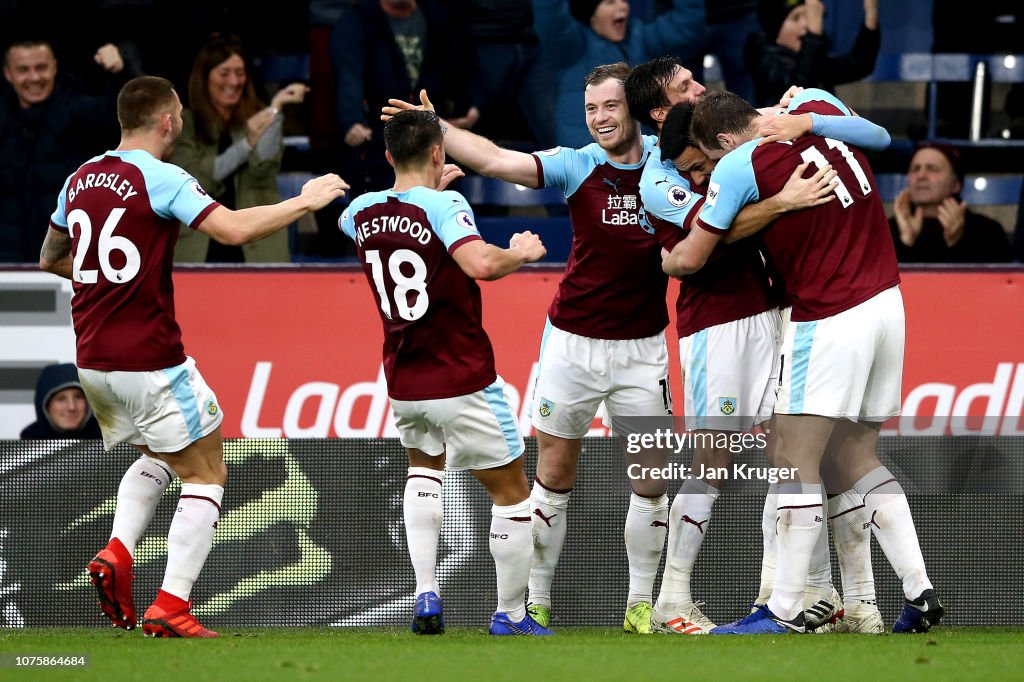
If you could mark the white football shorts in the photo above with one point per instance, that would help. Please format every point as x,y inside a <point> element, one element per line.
<point>847,366</point>
<point>475,431</point>
<point>730,373</point>
<point>165,409</point>
<point>576,373</point>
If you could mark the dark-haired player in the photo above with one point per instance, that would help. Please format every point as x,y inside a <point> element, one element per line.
<point>605,335</point>
<point>422,255</point>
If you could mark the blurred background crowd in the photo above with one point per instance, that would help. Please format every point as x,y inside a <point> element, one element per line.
<point>274,95</point>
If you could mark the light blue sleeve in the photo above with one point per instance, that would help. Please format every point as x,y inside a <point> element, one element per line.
<point>345,222</point>
<point>451,217</point>
<point>565,169</point>
<point>732,187</point>
<point>173,193</point>
<point>854,130</point>
<point>844,125</point>
<point>189,202</point>
<point>59,217</point>
<point>667,195</point>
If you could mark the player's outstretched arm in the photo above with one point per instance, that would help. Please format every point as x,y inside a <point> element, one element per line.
<point>55,255</point>
<point>798,193</point>
<point>854,130</point>
<point>249,224</point>
<point>690,255</point>
<point>475,151</point>
<point>481,260</point>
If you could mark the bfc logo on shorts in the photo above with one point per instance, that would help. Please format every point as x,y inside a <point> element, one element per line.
<point>211,408</point>
<point>545,407</point>
<point>727,405</point>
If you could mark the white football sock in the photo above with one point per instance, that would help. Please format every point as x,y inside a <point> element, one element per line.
<point>646,526</point>
<point>423,512</point>
<point>799,525</point>
<point>852,539</point>
<point>190,537</point>
<point>548,515</point>
<point>889,515</point>
<point>688,523</point>
<point>512,549</point>
<point>819,572</point>
<point>137,498</point>
<point>769,518</point>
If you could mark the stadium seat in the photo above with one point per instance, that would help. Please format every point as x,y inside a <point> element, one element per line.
<point>931,69</point>
<point>979,190</point>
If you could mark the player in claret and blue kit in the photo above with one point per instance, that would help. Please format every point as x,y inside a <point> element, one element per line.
<point>422,253</point>
<point>842,353</point>
<point>604,341</point>
<point>113,235</point>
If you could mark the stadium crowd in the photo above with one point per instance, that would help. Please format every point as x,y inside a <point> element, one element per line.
<point>511,70</point>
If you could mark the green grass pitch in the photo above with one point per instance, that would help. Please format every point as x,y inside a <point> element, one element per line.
<point>469,654</point>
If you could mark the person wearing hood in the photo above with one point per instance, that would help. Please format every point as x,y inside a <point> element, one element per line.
<point>578,35</point>
<point>61,408</point>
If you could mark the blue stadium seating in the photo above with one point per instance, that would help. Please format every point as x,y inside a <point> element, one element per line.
<point>979,190</point>
<point>924,67</point>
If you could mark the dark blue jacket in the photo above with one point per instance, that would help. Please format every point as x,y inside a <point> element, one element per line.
<point>54,378</point>
<point>39,148</point>
<point>369,69</point>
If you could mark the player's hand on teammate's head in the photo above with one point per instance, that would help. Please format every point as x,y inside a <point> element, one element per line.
<point>529,245</point>
<point>323,190</point>
<point>782,128</point>
<point>788,96</point>
<point>800,192</point>
<point>450,174</point>
<point>293,93</point>
<point>109,58</point>
<point>396,105</point>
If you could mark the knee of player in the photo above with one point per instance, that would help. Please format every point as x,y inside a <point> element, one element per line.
<point>650,488</point>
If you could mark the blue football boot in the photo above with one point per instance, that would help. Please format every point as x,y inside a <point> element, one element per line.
<point>920,614</point>
<point>427,618</point>
<point>501,624</point>
<point>762,622</point>
<point>755,614</point>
